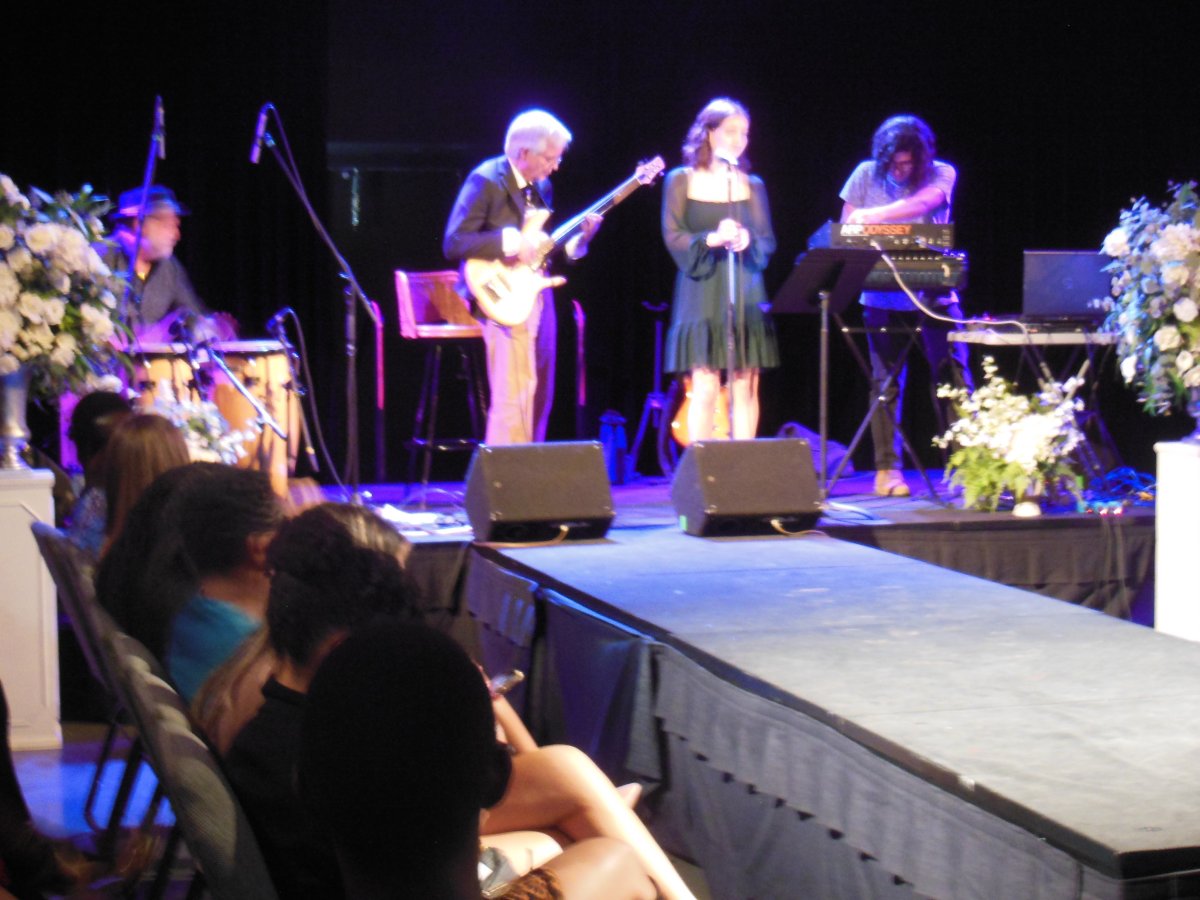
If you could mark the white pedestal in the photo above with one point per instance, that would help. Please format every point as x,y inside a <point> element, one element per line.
<point>28,613</point>
<point>1177,540</point>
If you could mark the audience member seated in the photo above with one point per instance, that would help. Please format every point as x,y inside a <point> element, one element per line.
<point>92,423</point>
<point>233,693</point>
<point>400,800</point>
<point>325,582</point>
<point>187,574</point>
<point>143,566</point>
<point>140,449</point>
<point>555,789</point>
<point>224,523</point>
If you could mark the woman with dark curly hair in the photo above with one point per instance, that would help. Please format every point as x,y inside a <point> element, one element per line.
<point>715,215</point>
<point>334,569</point>
<point>187,575</point>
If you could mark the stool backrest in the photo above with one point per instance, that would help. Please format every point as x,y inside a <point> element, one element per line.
<point>428,301</point>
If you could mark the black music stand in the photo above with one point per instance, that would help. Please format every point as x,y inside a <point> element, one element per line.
<point>825,279</point>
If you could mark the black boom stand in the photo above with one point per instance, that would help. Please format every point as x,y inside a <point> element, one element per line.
<point>353,292</point>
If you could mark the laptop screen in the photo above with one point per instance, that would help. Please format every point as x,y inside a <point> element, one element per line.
<point>1065,285</point>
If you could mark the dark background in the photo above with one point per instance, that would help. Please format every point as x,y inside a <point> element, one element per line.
<point>1055,115</point>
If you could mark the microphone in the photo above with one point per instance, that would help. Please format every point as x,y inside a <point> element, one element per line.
<point>160,128</point>
<point>727,157</point>
<point>260,129</point>
<point>275,323</point>
<point>181,331</point>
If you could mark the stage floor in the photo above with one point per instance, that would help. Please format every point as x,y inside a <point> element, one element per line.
<point>1102,562</point>
<point>1075,731</point>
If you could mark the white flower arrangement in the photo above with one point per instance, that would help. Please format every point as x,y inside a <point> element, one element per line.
<point>1155,310</point>
<point>58,299</point>
<point>1010,442</point>
<point>208,435</point>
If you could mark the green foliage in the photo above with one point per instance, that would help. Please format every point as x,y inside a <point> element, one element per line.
<point>1005,442</point>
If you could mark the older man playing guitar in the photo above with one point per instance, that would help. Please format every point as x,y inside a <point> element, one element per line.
<point>498,217</point>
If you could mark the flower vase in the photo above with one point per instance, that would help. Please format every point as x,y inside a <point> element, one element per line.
<point>1193,408</point>
<point>14,432</point>
<point>1029,504</point>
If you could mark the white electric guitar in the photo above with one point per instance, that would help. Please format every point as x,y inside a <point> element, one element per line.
<point>506,292</point>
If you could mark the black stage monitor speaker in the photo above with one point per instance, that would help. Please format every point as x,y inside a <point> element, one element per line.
<point>524,493</point>
<point>746,487</point>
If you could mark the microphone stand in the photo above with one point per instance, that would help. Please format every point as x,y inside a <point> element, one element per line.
<point>354,295</point>
<point>730,330</point>
<point>158,150</point>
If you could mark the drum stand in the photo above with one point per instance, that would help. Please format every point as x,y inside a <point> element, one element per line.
<point>278,328</point>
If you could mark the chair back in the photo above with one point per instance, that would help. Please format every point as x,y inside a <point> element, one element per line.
<point>214,826</point>
<point>68,567</point>
<point>431,308</point>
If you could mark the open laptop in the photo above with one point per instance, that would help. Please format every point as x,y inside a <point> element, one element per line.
<point>1065,289</point>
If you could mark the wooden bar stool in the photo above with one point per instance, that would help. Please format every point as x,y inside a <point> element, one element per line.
<point>432,311</point>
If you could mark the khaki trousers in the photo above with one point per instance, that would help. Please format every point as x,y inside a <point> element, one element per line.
<point>520,367</point>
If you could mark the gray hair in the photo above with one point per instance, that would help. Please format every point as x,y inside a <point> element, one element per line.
<point>532,130</point>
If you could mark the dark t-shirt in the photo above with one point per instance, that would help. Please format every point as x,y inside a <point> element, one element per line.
<point>165,290</point>
<point>261,766</point>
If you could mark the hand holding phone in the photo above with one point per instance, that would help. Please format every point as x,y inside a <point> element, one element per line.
<point>502,684</point>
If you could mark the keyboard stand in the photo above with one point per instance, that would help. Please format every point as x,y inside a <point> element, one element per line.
<point>864,366</point>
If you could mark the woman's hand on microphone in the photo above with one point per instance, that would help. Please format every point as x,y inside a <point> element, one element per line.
<point>729,234</point>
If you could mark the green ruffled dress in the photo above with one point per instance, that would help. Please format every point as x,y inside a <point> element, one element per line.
<point>697,337</point>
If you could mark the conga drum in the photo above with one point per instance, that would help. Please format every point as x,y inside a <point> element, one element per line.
<point>261,366</point>
<point>159,370</point>
<point>163,370</point>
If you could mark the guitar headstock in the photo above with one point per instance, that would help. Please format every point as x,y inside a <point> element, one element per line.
<point>648,171</point>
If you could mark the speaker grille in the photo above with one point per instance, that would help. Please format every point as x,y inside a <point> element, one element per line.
<point>745,487</point>
<point>526,492</point>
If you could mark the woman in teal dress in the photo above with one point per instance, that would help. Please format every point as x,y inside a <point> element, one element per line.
<point>715,213</point>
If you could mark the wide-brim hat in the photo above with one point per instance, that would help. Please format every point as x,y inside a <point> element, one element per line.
<point>158,198</point>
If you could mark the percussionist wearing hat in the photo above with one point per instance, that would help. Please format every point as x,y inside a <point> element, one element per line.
<point>161,297</point>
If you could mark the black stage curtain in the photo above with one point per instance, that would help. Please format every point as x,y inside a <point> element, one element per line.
<point>82,111</point>
<point>1053,120</point>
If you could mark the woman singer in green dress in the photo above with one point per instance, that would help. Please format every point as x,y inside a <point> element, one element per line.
<point>715,214</point>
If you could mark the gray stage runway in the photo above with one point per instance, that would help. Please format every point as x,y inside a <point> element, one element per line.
<point>951,736</point>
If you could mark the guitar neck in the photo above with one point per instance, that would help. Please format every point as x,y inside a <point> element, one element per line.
<point>568,229</point>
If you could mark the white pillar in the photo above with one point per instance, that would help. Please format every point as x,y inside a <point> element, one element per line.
<point>1177,540</point>
<point>28,613</point>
